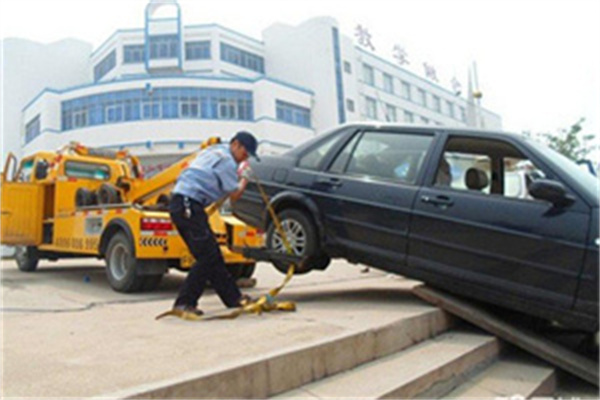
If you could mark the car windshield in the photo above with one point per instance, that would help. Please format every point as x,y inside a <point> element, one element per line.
<point>588,182</point>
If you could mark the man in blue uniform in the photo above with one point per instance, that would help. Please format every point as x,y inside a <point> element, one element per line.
<point>211,176</point>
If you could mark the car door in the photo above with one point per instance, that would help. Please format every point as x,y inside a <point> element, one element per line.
<point>478,230</point>
<point>368,189</point>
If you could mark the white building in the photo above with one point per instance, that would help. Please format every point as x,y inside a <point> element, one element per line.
<point>161,89</point>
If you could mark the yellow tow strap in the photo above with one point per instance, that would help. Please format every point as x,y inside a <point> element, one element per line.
<point>264,303</point>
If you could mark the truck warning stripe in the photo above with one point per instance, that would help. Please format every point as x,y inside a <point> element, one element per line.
<point>153,241</point>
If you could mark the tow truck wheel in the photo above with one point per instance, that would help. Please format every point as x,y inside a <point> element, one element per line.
<point>302,235</point>
<point>121,265</point>
<point>27,258</point>
<point>240,271</point>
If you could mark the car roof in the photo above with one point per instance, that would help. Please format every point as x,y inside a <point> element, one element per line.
<point>428,128</point>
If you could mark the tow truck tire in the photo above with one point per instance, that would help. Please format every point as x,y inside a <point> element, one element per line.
<point>121,265</point>
<point>151,282</point>
<point>27,258</point>
<point>304,237</point>
<point>241,271</point>
<point>108,194</point>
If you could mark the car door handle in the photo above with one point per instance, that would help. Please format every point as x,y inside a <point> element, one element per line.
<point>330,181</point>
<point>439,201</point>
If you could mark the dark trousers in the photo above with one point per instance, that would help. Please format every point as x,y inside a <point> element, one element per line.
<point>209,265</point>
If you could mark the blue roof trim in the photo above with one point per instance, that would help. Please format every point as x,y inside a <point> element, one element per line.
<point>227,30</point>
<point>282,83</point>
<point>159,142</point>
<point>101,47</point>
<point>142,77</point>
<point>40,95</point>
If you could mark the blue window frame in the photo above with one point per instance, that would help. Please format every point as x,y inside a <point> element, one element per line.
<point>197,50</point>
<point>242,58</point>
<point>161,103</point>
<point>164,46</point>
<point>293,114</point>
<point>32,129</point>
<point>104,66</point>
<point>133,54</point>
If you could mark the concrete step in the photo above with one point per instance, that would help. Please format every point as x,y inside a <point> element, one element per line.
<point>429,370</point>
<point>513,376</point>
<point>289,368</point>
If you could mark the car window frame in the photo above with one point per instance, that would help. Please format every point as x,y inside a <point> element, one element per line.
<point>344,135</point>
<point>389,130</point>
<point>521,147</point>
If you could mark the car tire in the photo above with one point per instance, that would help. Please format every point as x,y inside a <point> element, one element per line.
<point>304,238</point>
<point>27,258</point>
<point>121,265</point>
<point>241,271</point>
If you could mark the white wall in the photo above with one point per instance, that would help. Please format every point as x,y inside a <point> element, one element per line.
<point>304,55</point>
<point>29,67</point>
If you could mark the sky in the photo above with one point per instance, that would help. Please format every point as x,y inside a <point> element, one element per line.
<point>538,62</point>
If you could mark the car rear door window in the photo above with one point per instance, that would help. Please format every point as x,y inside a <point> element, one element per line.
<point>386,155</point>
<point>315,156</point>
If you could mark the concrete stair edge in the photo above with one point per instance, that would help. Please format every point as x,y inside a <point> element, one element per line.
<point>291,368</point>
<point>430,372</point>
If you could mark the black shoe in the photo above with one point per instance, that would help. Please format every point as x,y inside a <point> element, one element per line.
<point>245,300</point>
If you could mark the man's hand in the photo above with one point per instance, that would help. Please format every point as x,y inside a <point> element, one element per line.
<point>244,172</point>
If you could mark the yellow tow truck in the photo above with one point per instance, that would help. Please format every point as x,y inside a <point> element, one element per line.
<point>86,202</point>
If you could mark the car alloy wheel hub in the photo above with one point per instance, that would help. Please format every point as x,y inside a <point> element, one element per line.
<point>295,234</point>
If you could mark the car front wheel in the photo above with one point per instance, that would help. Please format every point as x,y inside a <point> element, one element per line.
<point>303,238</point>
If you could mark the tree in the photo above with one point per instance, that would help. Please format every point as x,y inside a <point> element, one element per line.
<point>569,142</point>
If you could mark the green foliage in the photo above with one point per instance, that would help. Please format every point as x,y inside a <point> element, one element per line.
<point>570,143</point>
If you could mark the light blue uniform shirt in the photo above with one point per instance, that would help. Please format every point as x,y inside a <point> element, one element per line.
<point>211,175</point>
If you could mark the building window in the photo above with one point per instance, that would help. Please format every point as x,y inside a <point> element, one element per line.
<point>347,67</point>
<point>450,107</point>
<point>371,108</point>
<point>32,129</point>
<point>408,116</point>
<point>104,66</point>
<point>350,105</point>
<point>133,54</point>
<point>390,113</point>
<point>197,50</point>
<point>160,103</point>
<point>406,91</point>
<point>114,113</point>
<point>242,58</point>
<point>463,114</point>
<point>422,97</point>
<point>425,120</point>
<point>437,104</point>
<point>388,83</point>
<point>368,75</point>
<point>292,114</point>
<point>164,46</point>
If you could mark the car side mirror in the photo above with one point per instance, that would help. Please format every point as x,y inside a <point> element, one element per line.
<point>552,191</point>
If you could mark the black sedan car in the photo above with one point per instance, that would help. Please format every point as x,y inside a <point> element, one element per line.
<point>492,216</point>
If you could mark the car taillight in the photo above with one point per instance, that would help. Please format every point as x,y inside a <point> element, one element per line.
<point>156,224</point>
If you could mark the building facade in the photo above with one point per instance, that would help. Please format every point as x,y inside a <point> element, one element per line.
<point>162,89</point>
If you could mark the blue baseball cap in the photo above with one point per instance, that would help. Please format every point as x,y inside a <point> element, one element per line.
<point>248,141</point>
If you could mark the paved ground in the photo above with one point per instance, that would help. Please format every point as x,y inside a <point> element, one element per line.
<point>66,333</point>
